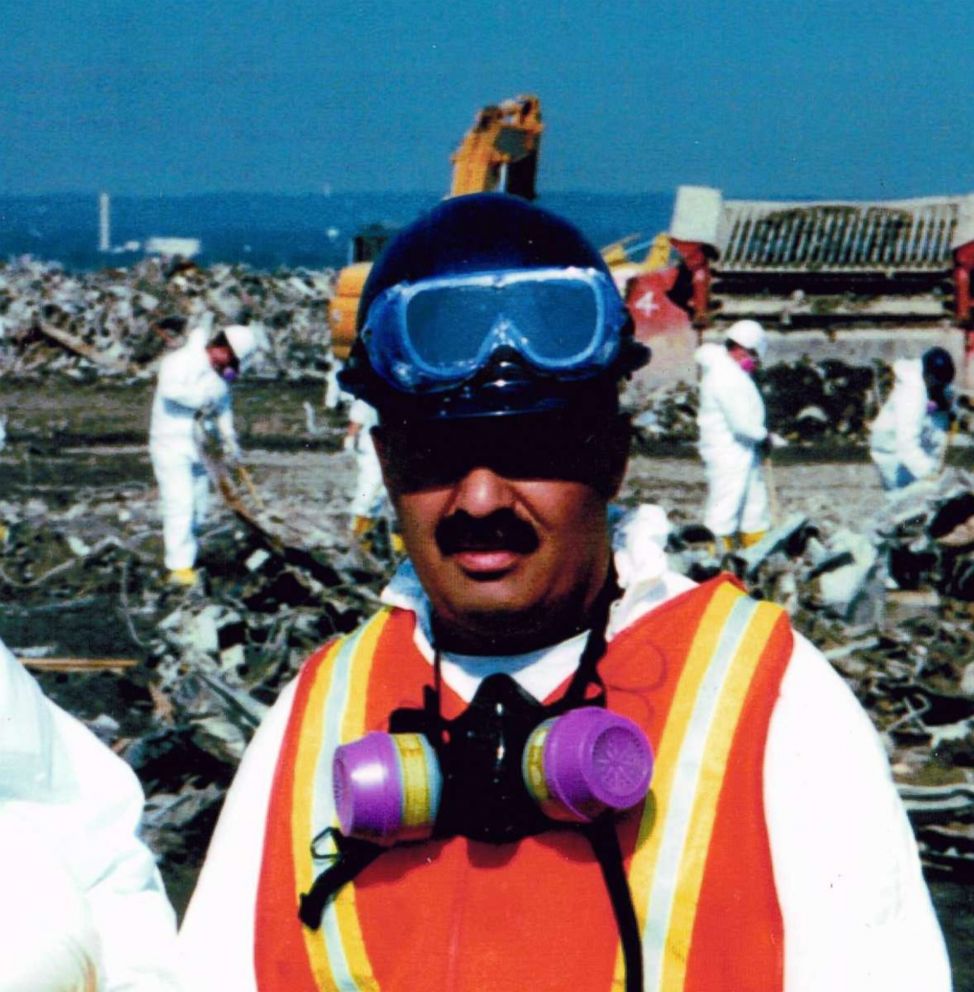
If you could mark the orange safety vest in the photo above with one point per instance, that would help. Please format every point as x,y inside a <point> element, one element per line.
<point>700,674</point>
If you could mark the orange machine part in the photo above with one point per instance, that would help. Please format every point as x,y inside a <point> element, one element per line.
<point>343,308</point>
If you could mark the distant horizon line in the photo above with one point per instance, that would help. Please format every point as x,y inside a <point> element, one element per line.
<point>439,194</point>
<point>298,194</point>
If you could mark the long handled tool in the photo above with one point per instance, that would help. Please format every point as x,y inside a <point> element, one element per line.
<point>948,443</point>
<point>245,477</point>
<point>772,489</point>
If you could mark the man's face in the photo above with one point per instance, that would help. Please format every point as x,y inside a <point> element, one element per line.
<point>224,361</point>
<point>505,522</point>
<point>747,358</point>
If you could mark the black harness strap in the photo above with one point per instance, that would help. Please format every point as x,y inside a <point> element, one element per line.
<point>602,836</point>
<point>587,672</point>
<point>352,856</point>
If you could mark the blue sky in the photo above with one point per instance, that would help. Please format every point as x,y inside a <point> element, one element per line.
<point>856,100</point>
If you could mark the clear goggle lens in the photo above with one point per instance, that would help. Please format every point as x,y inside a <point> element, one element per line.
<point>435,333</point>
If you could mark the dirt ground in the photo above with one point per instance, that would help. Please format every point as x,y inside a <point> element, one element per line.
<point>63,441</point>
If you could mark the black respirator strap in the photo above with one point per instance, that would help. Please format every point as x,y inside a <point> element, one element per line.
<point>352,856</point>
<point>601,834</point>
<point>587,672</point>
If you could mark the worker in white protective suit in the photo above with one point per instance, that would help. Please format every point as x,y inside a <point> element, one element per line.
<point>193,385</point>
<point>734,436</point>
<point>369,501</point>
<point>908,438</point>
<point>82,906</point>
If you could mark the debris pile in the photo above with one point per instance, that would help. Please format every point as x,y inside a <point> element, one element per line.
<point>279,582</point>
<point>891,605</point>
<point>181,678</point>
<point>117,322</point>
<point>177,680</point>
<point>828,399</point>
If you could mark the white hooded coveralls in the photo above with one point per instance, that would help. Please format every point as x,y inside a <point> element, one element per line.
<point>907,441</point>
<point>82,906</point>
<point>731,419</point>
<point>187,385</point>
<point>370,494</point>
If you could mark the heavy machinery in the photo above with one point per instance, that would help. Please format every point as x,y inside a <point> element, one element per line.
<point>849,280</point>
<point>498,154</point>
<point>500,151</point>
<point>343,306</point>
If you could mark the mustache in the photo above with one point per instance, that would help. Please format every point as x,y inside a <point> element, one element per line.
<point>501,530</point>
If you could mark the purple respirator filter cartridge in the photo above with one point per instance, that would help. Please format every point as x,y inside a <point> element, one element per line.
<point>387,787</point>
<point>585,762</point>
<point>576,766</point>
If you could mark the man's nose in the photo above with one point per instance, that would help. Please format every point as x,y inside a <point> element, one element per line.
<point>480,492</point>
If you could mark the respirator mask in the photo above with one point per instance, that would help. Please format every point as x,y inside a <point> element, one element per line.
<point>506,768</point>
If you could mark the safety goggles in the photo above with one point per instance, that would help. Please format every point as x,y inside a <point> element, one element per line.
<point>434,334</point>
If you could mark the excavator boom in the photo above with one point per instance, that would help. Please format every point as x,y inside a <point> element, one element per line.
<point>499,153</point>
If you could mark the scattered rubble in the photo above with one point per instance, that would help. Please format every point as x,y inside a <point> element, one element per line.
<point>181,678</point>
<point>807,402</point>
<point>176,681</point>
<point>279,583</point>
<point>117,322</point>
<point>891,605</point>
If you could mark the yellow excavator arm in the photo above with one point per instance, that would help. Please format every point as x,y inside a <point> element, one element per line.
<point>625,253</point>
<point>499,153</point>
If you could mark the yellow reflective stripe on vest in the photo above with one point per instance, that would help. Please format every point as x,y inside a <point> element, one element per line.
<point>674,836</point>
<point>335,714</point>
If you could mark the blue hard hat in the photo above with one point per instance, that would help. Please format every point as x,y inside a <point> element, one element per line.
<point>489,305</point>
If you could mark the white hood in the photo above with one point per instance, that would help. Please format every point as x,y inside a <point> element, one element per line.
<point>909,372</point>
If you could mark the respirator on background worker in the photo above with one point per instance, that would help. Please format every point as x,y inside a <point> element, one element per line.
<point>504,769</point>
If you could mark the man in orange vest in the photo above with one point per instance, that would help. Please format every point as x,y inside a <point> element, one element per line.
<point>549,762</point>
